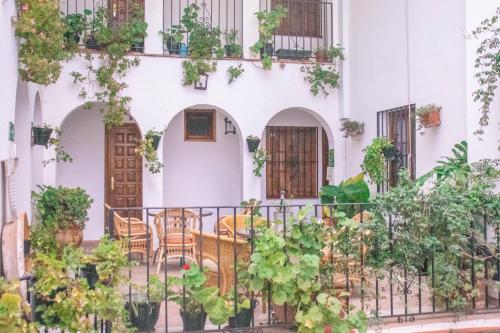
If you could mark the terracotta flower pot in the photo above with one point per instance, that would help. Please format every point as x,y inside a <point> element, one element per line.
<point>321,56</point>
<point>431,118</point>
<point>72,235</point>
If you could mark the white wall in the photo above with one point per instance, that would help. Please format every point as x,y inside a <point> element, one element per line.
<point>83,139</point>
<point>207,173</point>
<point>379,71</point>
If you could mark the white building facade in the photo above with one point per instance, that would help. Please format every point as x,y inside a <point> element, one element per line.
<point>397,53</point>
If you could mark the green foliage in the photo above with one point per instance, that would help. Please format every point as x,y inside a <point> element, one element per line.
<point>13,309</point>
<point>192,69</point>
<point>259,160</point>
<point>321,78</point>
<point>197,294</point>
<point>67,298</point>
<point>61,207</point>
<point>232,46</point>
<point>289,263</point>
<point>488,65</point>
<point>173,35</point>
<point>113,64</point>
<point>351,190</point>
<point>436,223</point>
<point>450,165</point>
<point>76,24</point>
<point>268,22</point>
<point>109,257</point>
<point>42,46</point>
<point>61,154</point>
<point>374,161</point>
<point>147,150</point>
<point>352,127</point>
<point>234,72</point>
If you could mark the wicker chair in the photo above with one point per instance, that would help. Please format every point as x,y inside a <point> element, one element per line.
<point>227,225</point>
<point>173,228</point>
<point>136,232</point>
<point>220,249</point>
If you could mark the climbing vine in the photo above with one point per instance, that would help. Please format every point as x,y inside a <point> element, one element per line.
<point>104,79</point>
<point>488,65</point>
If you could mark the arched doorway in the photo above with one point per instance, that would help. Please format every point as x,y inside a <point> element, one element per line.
<point>105,164</point>
<point>298,143</point>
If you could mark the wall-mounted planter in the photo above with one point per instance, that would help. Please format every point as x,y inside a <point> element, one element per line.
<point>293,54</point>
<point>202,83</point>
<point>431,118</point>
<point>389,153</point>
<point>156,141</point>
<point>253,144</point>
<point>91,43</point>
<point>353,129</point>
<point>41,135</point>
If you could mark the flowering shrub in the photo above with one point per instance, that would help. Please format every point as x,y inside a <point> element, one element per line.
<point>42,45</point>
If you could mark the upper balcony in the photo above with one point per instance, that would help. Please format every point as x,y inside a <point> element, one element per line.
<point>310,24</point>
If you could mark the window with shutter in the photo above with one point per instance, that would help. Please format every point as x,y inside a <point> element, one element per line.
<point>293,163</point>
<point>303,19</point>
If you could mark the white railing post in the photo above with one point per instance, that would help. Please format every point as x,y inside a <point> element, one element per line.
<point>250,26</point>
<point>153,15</point>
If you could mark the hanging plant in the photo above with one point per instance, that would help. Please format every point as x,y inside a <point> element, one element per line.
<point>253,142</point>
<point>154,136</point>
<point>194,69</point>
<point>107,78</point>
<point>428,116</point>
<point>42,136</point>
<point>42,46</point>
<point>147,150</point>
<point>321,78</point>
<point>374,162</point>
<point>488,66</point>
<point>269,21</point>
<point>259,160</point>
<point>352,128</point>
<point>234,72</point>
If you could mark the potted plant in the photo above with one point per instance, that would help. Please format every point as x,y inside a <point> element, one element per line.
<point>253,142</point>
<point>76,24</point>
<point>321,55</point>
<point>428,116</point>
<point>352,128</point>
<point>98,28</point>
<point>293,54</point>
<point>41,134</point>
<point>147,149</point>
<point>137,29</point>
<point>374,162</point>
<point>154,136</point>
<point>172,39</point>
<point>268,22</point>
<point>259,160</point>
<point>144,304</point>
<point>197,301</point>
<point>63,210</point>
<point>232,47</point>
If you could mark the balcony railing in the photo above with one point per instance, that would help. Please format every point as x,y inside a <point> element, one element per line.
<point>309,26</point>
<point>118,12</point>
<point>216,234</point>
<point>224,15</point>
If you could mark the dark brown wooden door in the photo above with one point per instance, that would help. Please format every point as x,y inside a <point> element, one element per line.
<point>123,167</point>
<point>121,10</point>
<point>293,161</point>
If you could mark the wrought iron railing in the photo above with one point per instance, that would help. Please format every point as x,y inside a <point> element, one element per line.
<point>404,295</point>
<point>308,27</point>
<point>118,12</point>
<point>224,15</point>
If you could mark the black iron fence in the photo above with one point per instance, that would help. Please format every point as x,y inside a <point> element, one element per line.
<point>308,27</point>
<point>84,12</point>
<point>225,16</point>
<point>162,239</point>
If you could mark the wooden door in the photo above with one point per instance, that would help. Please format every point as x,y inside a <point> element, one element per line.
<point>123,168</point>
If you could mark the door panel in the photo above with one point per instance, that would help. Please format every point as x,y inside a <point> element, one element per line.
<point>123,167</point>
<point>121,10</point>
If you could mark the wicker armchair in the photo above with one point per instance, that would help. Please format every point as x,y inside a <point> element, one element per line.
<point>135,231</point>
<point>227,224</point>
<point>173,228</point>
<point>220,249</point>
